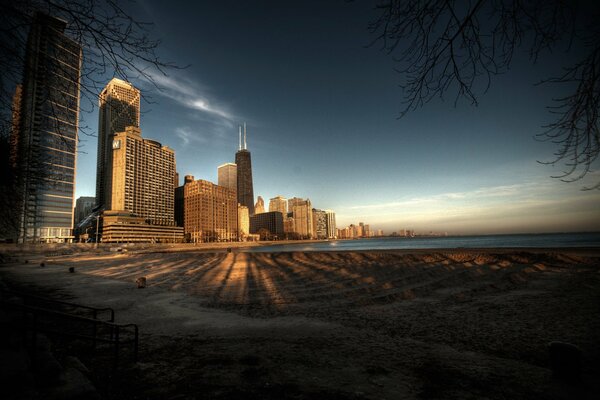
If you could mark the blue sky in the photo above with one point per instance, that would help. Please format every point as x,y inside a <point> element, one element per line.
<point>321,109</point>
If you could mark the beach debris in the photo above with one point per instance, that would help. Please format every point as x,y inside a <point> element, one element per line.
<point>71,269</point>
<point>141,282</point>
<point>565,360</point>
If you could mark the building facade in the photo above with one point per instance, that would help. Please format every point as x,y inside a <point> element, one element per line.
<point>259,207</point>
<point>45,151</point>
<point>278,203</point>
<point>119,107</point>
<point>142,180</point>
<point>211,212</point>
<point>269,225</point>
<point>126,227</point>
<point>245,190</point>
<point>319,224</point>
<point>227,176</point>
<point>83,207</point>
<point>302,214</point>
<point>331,225</point>
<point>243,222</point>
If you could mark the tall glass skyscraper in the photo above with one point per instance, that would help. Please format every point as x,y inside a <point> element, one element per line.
<point>119,107</point>
<point>245,191</point>
<point>48,128</point>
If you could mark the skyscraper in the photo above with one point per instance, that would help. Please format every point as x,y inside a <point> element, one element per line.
<point>142,176</point>
<point>245,191</point>
<point>319,224</point>
<point>227,175</point>
<point>331,225</point>
<point>119,107</point>
<point>259,207</point>
<point>211,212</point>
<point>278,203</point>
<point>48,121</point>
<point>83,208</point>
<point>243,222</point>
<point>302,213</point>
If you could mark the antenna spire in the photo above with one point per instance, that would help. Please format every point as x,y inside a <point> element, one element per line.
<point>245,148</point>
<point>240,137</point>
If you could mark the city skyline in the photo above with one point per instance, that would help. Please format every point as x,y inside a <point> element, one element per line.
<point>322,111</point>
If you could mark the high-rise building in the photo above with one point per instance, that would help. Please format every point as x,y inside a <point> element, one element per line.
<point>211,212</point>
<point>245,191</point>
<point>294,201</point>
<point>15,129</point>
<point>119,107</point>
<point>278,203</point>
<point>319,224</point>
<point>303,219</point>
<point>142,177</point>
<point>179,201</point>
<point>45,150</point>
<point>243,222</point>
<point>227,174</point>
<point>268,224</point>
<point>259,207</point>
<point>331,225</point>
<point>83,207</point>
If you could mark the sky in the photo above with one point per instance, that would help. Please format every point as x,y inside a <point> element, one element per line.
<point>322,108</point>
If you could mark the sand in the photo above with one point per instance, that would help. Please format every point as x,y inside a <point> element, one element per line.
<point>349,325</point>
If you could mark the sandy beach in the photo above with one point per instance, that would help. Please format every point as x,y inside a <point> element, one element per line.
<point>449,324</point>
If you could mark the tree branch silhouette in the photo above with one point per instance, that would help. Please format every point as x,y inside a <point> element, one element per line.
<point>449,47</point>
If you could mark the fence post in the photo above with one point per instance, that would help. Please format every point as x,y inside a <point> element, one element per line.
<point>116,356</point>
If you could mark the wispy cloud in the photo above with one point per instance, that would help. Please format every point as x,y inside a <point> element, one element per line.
<point>527,206</point>
<point>445,198</point>
<point>190,94</point>
<point>188,136</point>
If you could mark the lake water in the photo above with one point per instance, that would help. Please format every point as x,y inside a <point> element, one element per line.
<point>550,240</point>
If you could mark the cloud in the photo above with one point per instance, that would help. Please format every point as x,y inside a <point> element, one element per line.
<point>445,198</point>
<point>190,94</point>
<point>529,206</point>
<point>188,136</point>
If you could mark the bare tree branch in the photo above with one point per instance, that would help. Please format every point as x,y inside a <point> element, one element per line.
<point>456,47</point>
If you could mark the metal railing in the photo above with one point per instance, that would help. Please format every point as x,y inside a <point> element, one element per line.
<point>31,299</point>
<point>42,320</point>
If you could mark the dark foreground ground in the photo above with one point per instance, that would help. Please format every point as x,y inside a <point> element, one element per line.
<point>448,324</point>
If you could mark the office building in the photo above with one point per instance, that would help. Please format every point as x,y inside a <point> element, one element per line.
<point>278,203</point>
<point>142,179</point>
<point>303,220</point>
<point>245,191</point>
<point>288,226</point>
<point>126,227</point>
<point>259,207</point>
<point>331,225</point>
<point>243,222</point>
<point>15,128</point>
<point>179,202</point>
<point>319,224</point>
<point>211,212</point>
<point>45,140</point>
<point>83,207</point>
<point>227,176</point>
<point>119,107</point>
<point>269,225</point>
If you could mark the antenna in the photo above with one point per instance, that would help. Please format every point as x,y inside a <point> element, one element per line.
<point>245,148</point>
<point>240,137</point>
